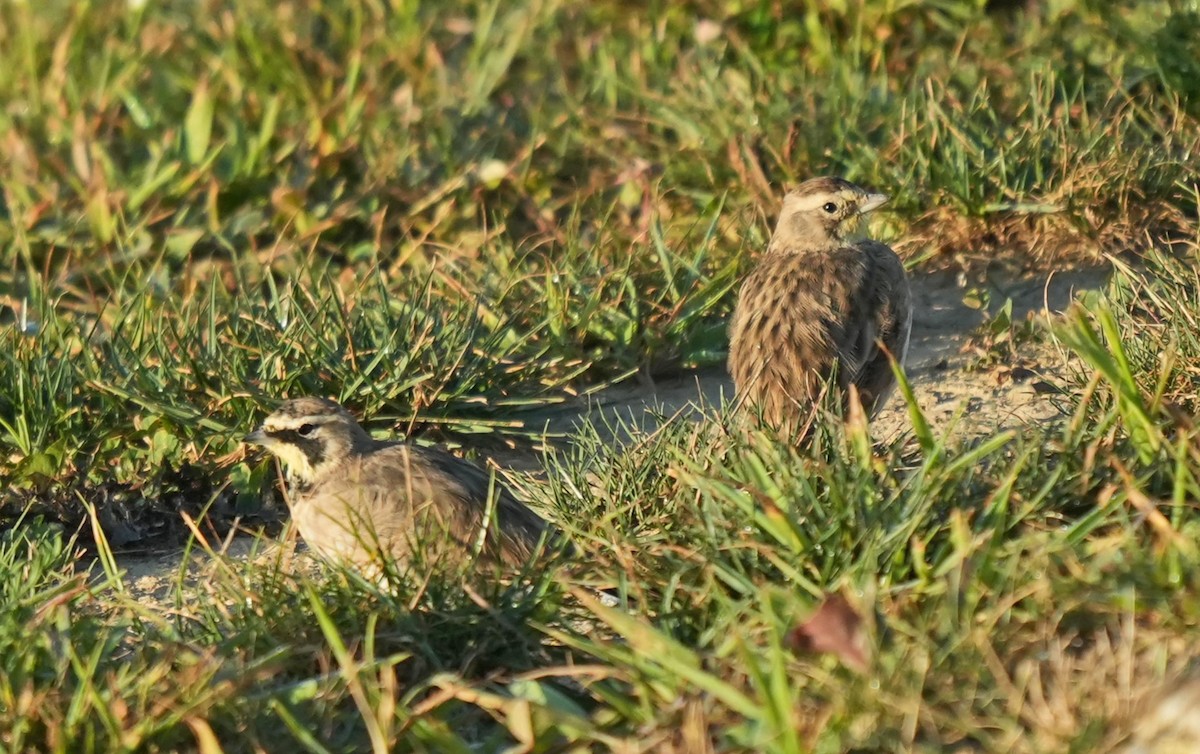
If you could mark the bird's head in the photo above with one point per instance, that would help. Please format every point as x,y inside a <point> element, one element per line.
<point>310,435</point>
<point>821,214</point>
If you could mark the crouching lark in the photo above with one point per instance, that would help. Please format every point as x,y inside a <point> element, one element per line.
<point>819,309</point>
<point>355,498</point>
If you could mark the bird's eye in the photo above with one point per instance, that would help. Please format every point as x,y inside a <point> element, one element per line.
<point>306,430</point>
<point>830,207</point>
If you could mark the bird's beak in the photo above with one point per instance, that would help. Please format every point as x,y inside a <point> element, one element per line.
<point>873,201</point>
<point>257,437</point>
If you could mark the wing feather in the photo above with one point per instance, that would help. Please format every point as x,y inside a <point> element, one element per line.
<point>399,491</point>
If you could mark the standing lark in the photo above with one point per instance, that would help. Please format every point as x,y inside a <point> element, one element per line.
<point>355,498</point>
<point>819,309</point>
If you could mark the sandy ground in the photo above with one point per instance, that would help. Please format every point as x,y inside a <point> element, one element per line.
<point>947,380</point>
<point>950,388</point>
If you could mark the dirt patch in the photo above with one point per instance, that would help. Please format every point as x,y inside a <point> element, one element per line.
<point>948,381</point>
<point>949,388</point>
<point>152,577</point>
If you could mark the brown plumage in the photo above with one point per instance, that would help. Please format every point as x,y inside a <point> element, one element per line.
<point>353,497</point>
<point>817,308</point>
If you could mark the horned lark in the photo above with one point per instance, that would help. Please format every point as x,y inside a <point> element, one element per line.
<point>819,309</point>
<point>355,498</point>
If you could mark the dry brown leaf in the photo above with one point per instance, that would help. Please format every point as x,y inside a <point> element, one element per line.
<point>835,628</point>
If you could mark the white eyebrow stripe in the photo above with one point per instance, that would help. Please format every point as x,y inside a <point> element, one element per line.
<point>295,422</point>
<point>811,201</point>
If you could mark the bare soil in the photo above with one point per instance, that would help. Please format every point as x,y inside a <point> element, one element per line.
<point>951,379</point>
